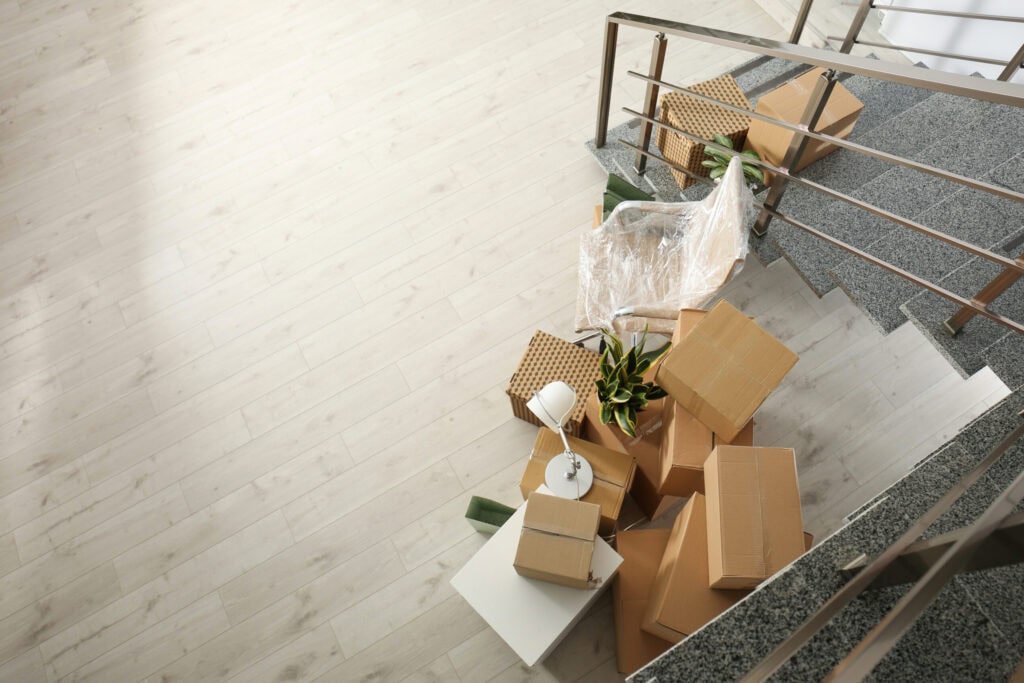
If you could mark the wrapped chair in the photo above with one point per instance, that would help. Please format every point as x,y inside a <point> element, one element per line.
<point>647,260</point>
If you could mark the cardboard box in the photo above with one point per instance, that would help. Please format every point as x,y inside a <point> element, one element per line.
<point>681,600</point>
<point>641,552</point>
<point>787,103</point>
<point>702,119</point>
<point>724,369</point>
<point>755,527</point>
<point>613,473</point>
<point>685,445</point>
<point>557,541</point>
<point>547,359</point>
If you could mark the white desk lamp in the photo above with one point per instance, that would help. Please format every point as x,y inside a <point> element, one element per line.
<point>572,477</point>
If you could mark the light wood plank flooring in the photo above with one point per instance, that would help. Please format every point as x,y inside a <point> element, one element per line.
<point>265,268</point>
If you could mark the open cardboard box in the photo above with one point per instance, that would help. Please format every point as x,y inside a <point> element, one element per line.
<point>754,521</point>
<point>557,541</point>
<point>723,369</point>
<point>681,599</point>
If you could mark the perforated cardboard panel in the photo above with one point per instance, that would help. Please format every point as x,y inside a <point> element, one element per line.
<point>548,359</point>
<point>704,120</point>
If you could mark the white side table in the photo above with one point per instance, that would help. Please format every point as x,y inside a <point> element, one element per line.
<point>531,616</point>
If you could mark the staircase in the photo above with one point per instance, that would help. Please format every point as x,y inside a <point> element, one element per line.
<point>975,629</point>
<point>974,138</point>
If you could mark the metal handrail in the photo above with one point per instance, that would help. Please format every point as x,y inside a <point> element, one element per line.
<point>977,308</point>
<point>924,51</point>
<point>939,12</point>
<point>999,91</point>
<point>835,194</point>
<point>973,183</point>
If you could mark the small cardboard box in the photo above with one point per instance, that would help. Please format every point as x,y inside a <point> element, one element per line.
<point>557,541</point>
<point>787,103</point>
<point>681,600</point>
<point>755,526</point>
<point>724,368</point>
<point>702,119</point>
<point>613,473</point>
<point>641,552</point>
<point>547,359</point>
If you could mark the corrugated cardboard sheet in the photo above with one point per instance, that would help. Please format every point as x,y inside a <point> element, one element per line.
<point>755,526</point>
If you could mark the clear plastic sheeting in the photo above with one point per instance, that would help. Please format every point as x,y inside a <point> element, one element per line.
<point>649,259</point>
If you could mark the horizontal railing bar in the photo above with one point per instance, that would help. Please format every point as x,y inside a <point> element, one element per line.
<point>849,248</point>
<point>865,578</point>
<point>955,84</point>
<point>939,12</point>
<point>835,194</point>
<point>973,183</point>
<point>923,51</point>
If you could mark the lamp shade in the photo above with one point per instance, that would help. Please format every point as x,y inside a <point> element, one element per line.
<point>553,404</point>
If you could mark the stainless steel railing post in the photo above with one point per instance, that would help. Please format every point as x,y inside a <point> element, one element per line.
<point>856,25</point>
<point>1012,65</point>
<point>800,21</point>
<point>651,100</point>
<point>604,98</point>
<point>812,112</point>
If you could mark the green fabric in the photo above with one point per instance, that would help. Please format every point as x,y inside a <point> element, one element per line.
<point>620,190</point>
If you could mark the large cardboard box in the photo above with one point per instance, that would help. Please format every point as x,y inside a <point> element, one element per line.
<point>787,103</point>
<point>681,600</point>
<point>755,527</point>
<point>645,449</point>
<point>723,369</point>
<point>613,473</point>
<point>702,119</point>
<point>641,552</point>
<point>547,359</point>
<point>557,540</point>
<point>685,445</point>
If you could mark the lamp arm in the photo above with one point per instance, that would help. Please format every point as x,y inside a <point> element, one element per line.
<point>569,452</point>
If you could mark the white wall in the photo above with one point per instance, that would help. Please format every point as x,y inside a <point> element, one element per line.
<point>994,39</point>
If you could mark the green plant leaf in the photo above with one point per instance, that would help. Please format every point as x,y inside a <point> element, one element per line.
<point>606,413</point>
<point>721,157</point>
<point>717,173</point>
<point>753,172</point>
<point>711,163</point>
<point>752,154</point>
<point>613,346</point>
<point>622,419</point>
<point>622,396</point>
<point>722,140</point>
<point>656,392</point>
<point>631,362</point>
<point>642,366</point>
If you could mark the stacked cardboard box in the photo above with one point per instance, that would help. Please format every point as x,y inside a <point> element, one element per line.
<point>613,473</point>
<point>557,541</point>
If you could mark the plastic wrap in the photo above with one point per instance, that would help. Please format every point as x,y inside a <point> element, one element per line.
<point>649,259</point>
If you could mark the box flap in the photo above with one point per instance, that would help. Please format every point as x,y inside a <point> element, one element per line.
<point>562,517</point>
<point>724,368</point>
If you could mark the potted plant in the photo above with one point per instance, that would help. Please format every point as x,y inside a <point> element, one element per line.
<point>719,162</point>
<point>621,390</point>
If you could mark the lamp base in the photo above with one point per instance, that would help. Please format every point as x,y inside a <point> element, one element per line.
<point>577,487</point>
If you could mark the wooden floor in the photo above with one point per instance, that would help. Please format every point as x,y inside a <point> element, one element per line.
<point>265,270</point>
